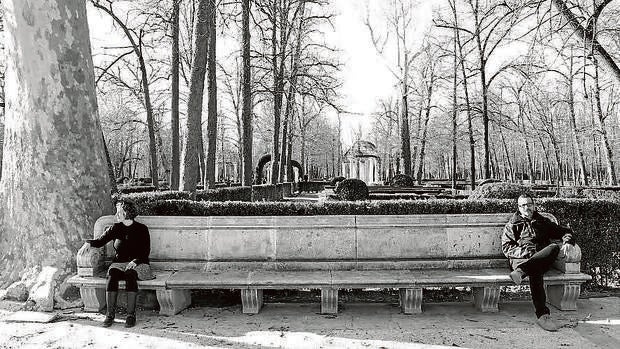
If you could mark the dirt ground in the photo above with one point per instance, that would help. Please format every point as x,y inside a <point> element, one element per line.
<point>299,325</point>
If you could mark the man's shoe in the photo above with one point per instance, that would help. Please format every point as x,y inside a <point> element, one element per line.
<point>547,324</point>
<point>517,276</point>
<point>109,320</point>
<point>130,321</point>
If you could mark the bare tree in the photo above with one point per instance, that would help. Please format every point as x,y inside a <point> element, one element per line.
<point>246,95</point>
<point>174,110</point>
<point>400,22</point>
<point>137,48</point>
<point>192,143</point>
<point>212,102</point>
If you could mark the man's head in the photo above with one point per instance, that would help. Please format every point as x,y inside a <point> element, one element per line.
<point>526,206</point>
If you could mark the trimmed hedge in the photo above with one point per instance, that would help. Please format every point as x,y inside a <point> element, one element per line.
<point>402,181</point>
<point>221,194</point>
<point>594,221</point>
<point>352,189</point>
<point>128,189</point>
<point>500,190</point>
<point>334,181</point>
<point>590,193</point>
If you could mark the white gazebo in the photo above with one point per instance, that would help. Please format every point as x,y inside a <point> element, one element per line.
<point>361,162</point>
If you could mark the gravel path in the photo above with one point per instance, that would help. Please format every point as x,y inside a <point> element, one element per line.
<point>299,326</point>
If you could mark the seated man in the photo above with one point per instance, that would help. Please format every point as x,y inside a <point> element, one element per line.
<point>526,241</point>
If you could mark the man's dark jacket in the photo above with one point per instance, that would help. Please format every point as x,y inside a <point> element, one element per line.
<point>521,237</point>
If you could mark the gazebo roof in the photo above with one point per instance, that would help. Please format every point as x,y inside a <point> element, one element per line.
<point>361,149</point>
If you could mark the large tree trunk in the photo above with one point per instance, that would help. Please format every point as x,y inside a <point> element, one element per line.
<point>573,124</point>
<point>420,167</point>
<point>55,181</point>
<point>174,112</point>
<point>404,130</point>
<point>454,113</point>
<point>150,123</point>
<point>278,83</point>
<point>609,157</point>
<point>505,147</point>
<point>427,116</point>
<point>212,103</point>
<point>193,139</point>
<point>470,130</point>
<point>246,80</point>
<point>290,102</point>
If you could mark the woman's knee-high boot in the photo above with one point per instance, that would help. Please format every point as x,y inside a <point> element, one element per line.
<point>131,309</point>
<point>110,298</point>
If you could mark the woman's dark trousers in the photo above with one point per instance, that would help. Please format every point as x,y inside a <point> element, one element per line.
<point>131,286</point>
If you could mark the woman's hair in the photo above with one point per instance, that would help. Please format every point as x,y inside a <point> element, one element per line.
<point>131,211</point>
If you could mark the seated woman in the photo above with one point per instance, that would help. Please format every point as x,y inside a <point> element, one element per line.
<point>132,244</point>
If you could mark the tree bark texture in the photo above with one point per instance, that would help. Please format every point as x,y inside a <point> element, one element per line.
<point>285,164</point>
<point>55,181</point>
<point>212,102</point>
<point>246,81</point>
<point>174,108</point>
<point>609,157</point>
<point>193,140</point>
<point>573,124</point>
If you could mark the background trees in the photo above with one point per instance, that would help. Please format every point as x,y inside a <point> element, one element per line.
<point>527,96</point>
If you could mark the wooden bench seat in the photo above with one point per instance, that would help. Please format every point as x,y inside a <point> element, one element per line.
<point>328,253</point>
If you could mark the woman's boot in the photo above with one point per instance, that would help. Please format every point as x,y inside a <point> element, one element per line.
<point>110,298</point>
<point>131,309</point>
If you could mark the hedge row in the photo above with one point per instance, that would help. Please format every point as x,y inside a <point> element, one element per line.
<point>220,194</point>
<point>595,222</point>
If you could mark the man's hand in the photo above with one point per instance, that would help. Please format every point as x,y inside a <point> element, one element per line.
<point>568,239</point>
<point>131,265</point>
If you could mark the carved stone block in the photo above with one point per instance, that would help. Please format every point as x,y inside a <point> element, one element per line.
<point>410,300</point>
<point>89,260</point>
<point>486,298</point>
<point>93,298</point>
<point>172,302</point>
<point>329,301</point>
<point>563,297</point>
<point>251,300</point>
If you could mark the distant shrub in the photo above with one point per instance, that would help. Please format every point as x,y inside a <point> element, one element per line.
<point>500,190</point>
<point>352,189</point>
<point>589,193</point>
<point>402,180</point>
<point>225,194</point>
<point>128,189</point>
<point>488,180</point>
<point>334,181</point>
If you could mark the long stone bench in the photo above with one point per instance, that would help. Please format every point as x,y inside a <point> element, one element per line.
<point>408,252</point>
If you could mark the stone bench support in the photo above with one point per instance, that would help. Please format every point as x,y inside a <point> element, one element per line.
<point>251,300</point>
<point>410,300</point>
<point>486,299</point>
<point>329,301</point>
<point>172,302</point>
<point>93,298</point>
<point>564,296</point>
